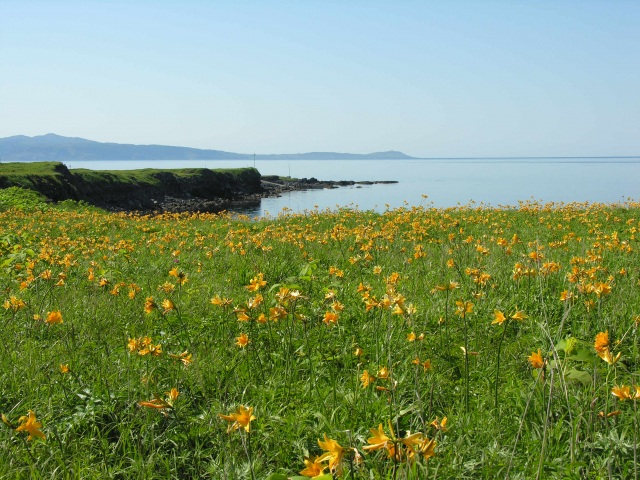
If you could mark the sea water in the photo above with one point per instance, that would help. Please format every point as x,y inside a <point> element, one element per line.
<point>439,183</point>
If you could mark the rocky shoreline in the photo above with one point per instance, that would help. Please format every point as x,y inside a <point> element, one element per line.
<point>271,186</point>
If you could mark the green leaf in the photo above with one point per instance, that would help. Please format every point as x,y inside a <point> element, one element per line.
<point>404,411</point>
<point>568,345</point>
<point>583,355</point>
<point>278,476</point>
<point>308,269</point>
<point>580,375</point>
<point>561,345</point>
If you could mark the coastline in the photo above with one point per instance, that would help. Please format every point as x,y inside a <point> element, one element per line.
<point>271,186</point>
<point>156,190</point>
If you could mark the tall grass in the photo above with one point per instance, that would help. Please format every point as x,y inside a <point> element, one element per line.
<point>336,330</point>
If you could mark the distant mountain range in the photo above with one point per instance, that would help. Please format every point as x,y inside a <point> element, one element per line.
<point>52,147</point>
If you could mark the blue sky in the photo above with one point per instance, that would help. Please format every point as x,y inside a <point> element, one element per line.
<point>430,78</point>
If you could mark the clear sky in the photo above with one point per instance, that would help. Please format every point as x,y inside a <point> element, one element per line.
<point>441,78</point>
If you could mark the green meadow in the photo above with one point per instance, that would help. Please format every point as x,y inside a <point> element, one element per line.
<point>417,343</point>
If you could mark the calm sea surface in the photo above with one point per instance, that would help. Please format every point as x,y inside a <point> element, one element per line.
<point>433,182</point>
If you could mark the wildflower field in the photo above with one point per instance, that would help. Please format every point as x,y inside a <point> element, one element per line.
<point>418,343</point>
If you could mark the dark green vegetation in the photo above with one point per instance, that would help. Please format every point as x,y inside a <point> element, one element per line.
<point>145,189</point>
<point>56,147</point>
<point>520,325</point>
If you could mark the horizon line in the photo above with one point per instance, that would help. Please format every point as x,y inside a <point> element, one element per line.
<point>525,157</point>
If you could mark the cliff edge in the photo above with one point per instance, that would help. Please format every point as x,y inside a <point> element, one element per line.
<point>189,189</point>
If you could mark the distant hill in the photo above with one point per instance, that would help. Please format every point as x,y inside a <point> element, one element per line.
<point>53,147</point>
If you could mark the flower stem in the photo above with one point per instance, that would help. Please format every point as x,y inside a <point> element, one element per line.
<point>466,364</point>
<point>504,333</point>
<point>247,450</point>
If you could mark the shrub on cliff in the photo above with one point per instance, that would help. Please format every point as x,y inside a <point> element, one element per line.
<point>22,199</point>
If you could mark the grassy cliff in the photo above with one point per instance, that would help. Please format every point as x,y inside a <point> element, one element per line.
<point>131,189</point>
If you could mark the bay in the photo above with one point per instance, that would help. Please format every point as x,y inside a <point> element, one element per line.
<point>439,183</point>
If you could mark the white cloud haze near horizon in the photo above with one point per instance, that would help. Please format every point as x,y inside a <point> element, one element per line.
<point>428,78</point>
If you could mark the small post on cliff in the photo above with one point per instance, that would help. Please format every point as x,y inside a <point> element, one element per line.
<point>254,160</point>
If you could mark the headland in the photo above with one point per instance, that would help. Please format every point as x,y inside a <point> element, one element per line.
<point>154,190</point>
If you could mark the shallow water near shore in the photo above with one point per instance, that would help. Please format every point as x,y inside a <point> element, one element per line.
<point>434,182</point>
